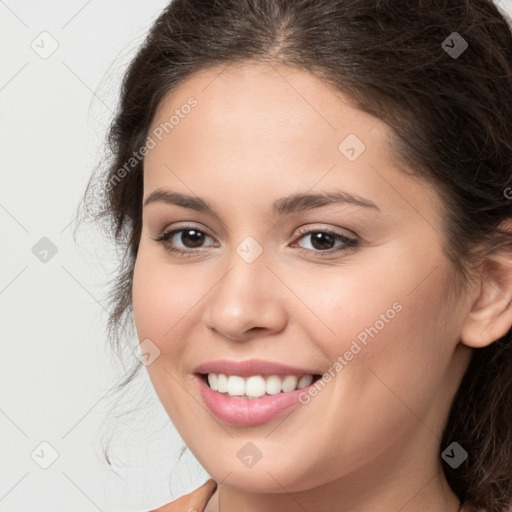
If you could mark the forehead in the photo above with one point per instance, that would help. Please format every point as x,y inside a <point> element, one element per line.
<point>268,100</point>
<point>260,118</point>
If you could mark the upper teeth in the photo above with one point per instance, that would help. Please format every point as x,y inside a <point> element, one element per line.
<point>256,385</point>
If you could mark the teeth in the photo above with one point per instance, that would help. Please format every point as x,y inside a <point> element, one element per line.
<point>222,383</point>
<point>273,385</point>
<point>305,381</point>
<point>256,385</point>
<point>289,383</point>
<point>213,381</point>
<point>236,385</point>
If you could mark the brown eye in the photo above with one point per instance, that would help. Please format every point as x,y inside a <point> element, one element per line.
<point>322,242</point>
<point>183,240</point>
<point>195,237</point>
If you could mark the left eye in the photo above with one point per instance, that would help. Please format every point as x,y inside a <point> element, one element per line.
<point>321,239</point>
<point>192,240</point>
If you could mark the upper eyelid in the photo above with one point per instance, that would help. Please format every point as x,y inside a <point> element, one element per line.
<point>184,227</point>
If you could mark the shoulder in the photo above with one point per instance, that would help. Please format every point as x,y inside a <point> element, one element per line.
<point>192,502</point>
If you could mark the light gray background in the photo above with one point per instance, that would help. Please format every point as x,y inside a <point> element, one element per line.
<point>55,366</point>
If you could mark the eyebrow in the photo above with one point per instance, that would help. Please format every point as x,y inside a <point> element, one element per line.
<point>282,206</point>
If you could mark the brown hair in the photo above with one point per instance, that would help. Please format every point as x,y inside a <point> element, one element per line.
<point>451,119</point>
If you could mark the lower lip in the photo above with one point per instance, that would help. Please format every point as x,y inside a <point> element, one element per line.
<point>245,411</point>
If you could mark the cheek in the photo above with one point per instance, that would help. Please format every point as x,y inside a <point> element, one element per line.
<point>397,302</point>
<point>161,298</point>
<point>147,299</point>
<point>388,313</point>
<point>395,334</point>
<point>163,307</point>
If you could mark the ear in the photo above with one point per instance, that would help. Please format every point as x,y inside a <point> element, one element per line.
<point>490,317</point>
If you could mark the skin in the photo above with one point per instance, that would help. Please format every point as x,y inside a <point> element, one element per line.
<point>370,440</point>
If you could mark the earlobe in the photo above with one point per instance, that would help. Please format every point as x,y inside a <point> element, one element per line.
<point>490,317</point>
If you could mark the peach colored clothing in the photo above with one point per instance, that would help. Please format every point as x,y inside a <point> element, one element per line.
<point>193,502</point>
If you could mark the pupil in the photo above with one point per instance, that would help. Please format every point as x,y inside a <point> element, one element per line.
<point>317,240</point>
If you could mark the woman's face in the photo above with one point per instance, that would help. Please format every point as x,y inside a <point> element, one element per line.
<point>349,283</point>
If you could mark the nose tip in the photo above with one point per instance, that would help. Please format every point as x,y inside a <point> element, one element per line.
<point>244,304</point>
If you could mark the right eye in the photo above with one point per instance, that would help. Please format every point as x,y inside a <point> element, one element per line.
<point>194,236</point>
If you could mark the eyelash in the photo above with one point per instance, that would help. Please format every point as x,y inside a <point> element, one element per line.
<point>350,244</point>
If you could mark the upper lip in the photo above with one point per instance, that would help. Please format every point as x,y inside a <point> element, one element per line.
<point>252,367</point>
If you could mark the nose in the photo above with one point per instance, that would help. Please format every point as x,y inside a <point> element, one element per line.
<point>248,301</point>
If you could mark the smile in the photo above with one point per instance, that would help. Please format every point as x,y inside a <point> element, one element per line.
<point>251,392</point>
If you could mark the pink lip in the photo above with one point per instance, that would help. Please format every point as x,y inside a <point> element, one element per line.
<point>244,411</point>
<point>252,367</point>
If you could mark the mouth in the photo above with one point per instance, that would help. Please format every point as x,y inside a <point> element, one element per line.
<point>252,392</point>
<point>256,386</point>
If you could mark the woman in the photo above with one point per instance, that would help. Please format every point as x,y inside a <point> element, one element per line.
<point>314,197</point>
